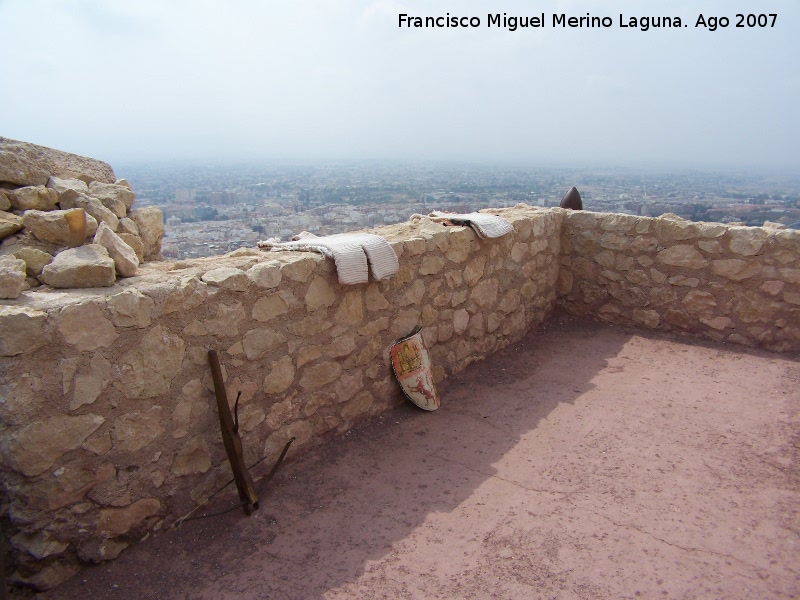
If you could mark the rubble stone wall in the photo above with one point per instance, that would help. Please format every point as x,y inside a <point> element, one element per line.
<point>108,424</point>
<point>727,283</point>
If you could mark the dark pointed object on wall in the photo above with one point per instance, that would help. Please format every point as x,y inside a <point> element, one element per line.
<point>572,200</point>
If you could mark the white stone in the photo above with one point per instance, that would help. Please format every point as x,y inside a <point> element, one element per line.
<point>257,342</point>
<point>280,377</point>
<point>12,277</point>
<point>124,257</point>
<point>131,308</point>
<point>266,275</point>
<point>85,327</point>
<point>62,185</point>
<point>150,222</point>
<point>320,294</point>
<point>148,369</point>
<point>9,224</point>
<point>22,330</point>
<point>229,278</point>
<point>83,267</point>
<point>93,207</point>
<point>682,256</point>
<point>34,198</point>
<point>59,227</point>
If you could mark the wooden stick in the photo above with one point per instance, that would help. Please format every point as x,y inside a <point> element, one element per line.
<point>231,439</point>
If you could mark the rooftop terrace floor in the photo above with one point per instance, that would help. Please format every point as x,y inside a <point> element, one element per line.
<point>585,461</point>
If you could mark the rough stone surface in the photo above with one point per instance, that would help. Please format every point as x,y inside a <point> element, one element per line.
<point>148,370</point>
<point>57,226</point>
<point>85,327</point>
<point>135,242</point>
<point>112,193</point>
<point>93,207</point>
<point>119,521</point>
<point>84,267</point>
<point>23,330</point>
<point>22,163</point>
<point>735,277</point>
<point>34,198</point>
<point>12,277</point>
<point>150,222</point>
<point>35,448</point>
<point>61,186</point>
<point>124,257</point>
<point>35,260</point>
<point>311,357</point>
<point>228,278</point>
<point>9,224</point>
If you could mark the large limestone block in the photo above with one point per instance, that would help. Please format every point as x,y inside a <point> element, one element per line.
<point>84,267</point>
<point>22,163</point>
<point>266,275</point>
<point>280,377</point>
<point>747,241</point>
<point>150,222</point>
<point>148,370</point>
<point>134,431</point>
<point>35,260</point>
<point>700,303</point>
<point>128,225</point>
<point>33,450</point>
<point>90,384</point>
<point>192,459</point>
<point>682,255</point>
<point>12,277</point>
<point>22,330</point>
<point>735,269</point>
<point>317,376</point>
<point>34,198</point>
<point>59,227</point>
<point>61,186</point>
<point>119,521</point>
<point>39,544</point>
<point>669,227</point>
<point>269,307</point>
<point>135,242</point>
<point>93,207</point>
<point>485,293</point>
<point>113,194</point>
<point>85,327</point>
<point>131,308</point>
<point>224,324</point>
<point>9,224</point>
<point>320,294</point>
<point>257,342</point>
<point>124,257</point>
<point>229,278</point>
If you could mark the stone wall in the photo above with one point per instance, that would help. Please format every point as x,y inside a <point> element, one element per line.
<point>108,423</point>
<point>67,222</point>
<point>727,283</point>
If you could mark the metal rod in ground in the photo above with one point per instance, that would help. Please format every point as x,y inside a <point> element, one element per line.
<point>231,439</point>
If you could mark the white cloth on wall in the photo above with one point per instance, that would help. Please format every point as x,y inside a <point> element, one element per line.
<point>355,254</point>
<point>485,225</point>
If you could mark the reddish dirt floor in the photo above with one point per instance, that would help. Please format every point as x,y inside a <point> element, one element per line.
<point>585,461</point>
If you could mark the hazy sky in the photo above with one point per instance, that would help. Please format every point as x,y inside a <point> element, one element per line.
<point>143,80</point>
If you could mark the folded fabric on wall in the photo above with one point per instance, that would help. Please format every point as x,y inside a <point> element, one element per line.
<point>350,252</point>
<point>486,226</point>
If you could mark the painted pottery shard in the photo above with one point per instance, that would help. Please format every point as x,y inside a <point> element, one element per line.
<point>572,200</point>
<point>412,367</point>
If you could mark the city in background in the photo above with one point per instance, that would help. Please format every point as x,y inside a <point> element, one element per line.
<point>213,209</point>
